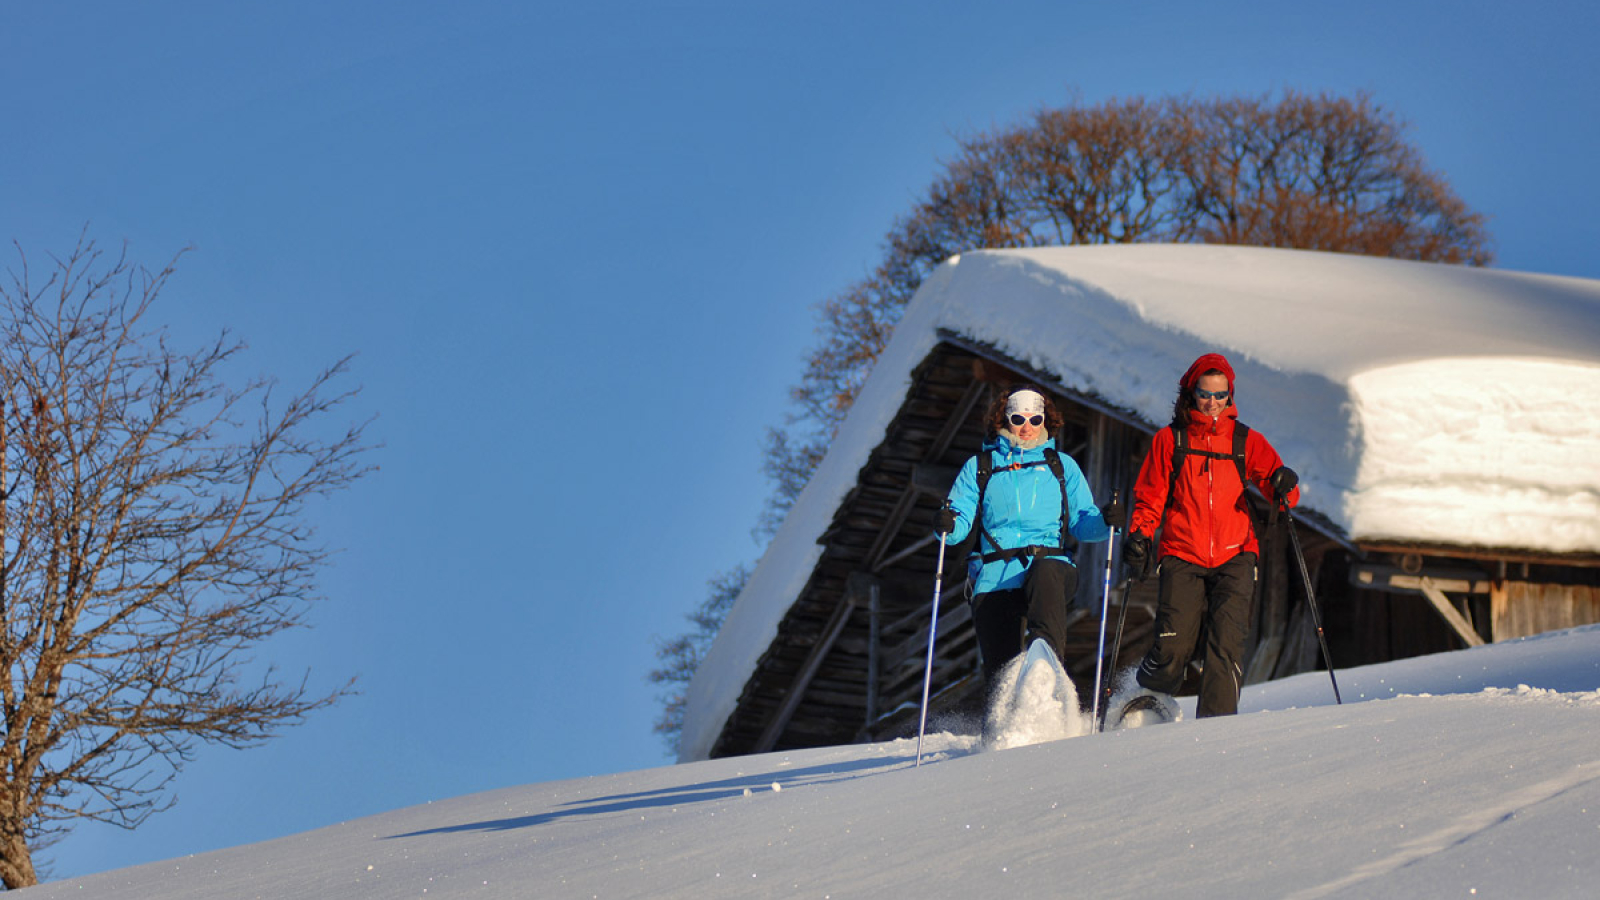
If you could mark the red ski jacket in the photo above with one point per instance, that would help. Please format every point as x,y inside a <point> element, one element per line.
<point>1208,522</point>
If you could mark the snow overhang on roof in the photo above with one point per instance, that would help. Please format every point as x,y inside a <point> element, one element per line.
<point>1419,402</point>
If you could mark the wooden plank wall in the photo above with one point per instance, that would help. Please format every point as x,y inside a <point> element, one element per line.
<point>1520,608</point>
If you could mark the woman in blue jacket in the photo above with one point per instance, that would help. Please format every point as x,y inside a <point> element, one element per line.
<point>1021,575</point>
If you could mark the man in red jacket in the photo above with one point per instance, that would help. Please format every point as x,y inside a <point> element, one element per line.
<point>1207,558</point>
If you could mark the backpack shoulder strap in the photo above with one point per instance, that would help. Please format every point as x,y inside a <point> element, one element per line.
<point>1052,458</point>
<point>1241,432</point>
<point>1180,446</point>
<point>985,472</point>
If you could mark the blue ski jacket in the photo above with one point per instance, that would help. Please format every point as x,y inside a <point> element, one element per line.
<point>1021,508</point>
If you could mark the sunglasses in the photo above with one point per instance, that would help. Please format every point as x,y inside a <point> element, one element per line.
<point>1211,395</point>
<point>1020,419</point>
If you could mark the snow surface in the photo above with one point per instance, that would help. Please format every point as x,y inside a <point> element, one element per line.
<point>1417,401</point>
<point>1472,774</point>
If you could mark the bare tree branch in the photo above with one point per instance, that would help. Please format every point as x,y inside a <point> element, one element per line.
<point>156,529</point>
<point>1312,172</point>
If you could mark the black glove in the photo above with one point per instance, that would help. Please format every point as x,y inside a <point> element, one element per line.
<point>1136,556</point>
<point>944,521</point>
<point>1115,514</point>
<point>1283,481</point>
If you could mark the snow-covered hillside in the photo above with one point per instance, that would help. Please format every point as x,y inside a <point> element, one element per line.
<point>1473,774</point>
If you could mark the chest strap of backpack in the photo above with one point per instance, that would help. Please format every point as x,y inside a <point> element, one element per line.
<point>1052,458</point>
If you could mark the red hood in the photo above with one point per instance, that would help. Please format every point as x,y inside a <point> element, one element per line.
<point>1203,365</point>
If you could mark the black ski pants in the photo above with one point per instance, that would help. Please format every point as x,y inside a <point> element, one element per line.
<point>1196,601</point>
<point>1008,621</point>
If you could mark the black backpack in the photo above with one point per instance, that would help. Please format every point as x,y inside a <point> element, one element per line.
<point>1052,458</point>
<point>1181,448</point>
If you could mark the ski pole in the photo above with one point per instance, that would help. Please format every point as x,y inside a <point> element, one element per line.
<point>1105,611</point>
<point>1116,652</point>
<point>933,629</point>
<point>1311,599</point>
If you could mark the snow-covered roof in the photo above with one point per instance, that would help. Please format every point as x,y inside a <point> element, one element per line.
<point>1418,402</point>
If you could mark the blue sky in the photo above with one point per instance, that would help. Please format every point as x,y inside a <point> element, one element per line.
<point>577,249</point>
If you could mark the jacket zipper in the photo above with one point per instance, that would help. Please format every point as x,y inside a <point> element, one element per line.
<point>1211,497</point>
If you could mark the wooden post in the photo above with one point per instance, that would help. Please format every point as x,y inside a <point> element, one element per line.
<point>874,659</point>
<point>797,689</point>
<point>1448,612</point>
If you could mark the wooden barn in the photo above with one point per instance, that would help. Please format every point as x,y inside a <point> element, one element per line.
<point>1435,514</point>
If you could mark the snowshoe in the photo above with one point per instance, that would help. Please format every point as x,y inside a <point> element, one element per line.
<point>1143,709</point>
<point>1035,701</point>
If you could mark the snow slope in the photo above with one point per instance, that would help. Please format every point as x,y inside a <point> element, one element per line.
<point>1417,401</point>
<point>1471,774</point>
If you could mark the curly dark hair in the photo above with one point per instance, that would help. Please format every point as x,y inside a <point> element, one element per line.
<point>995,420</point>
<point>1185,402</point>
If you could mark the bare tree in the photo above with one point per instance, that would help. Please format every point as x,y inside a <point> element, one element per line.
<point>1322,173</point>
<point>1310,172</point>
<point>155,527</point>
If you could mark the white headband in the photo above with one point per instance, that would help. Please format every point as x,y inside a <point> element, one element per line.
<point>1029,403</point>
